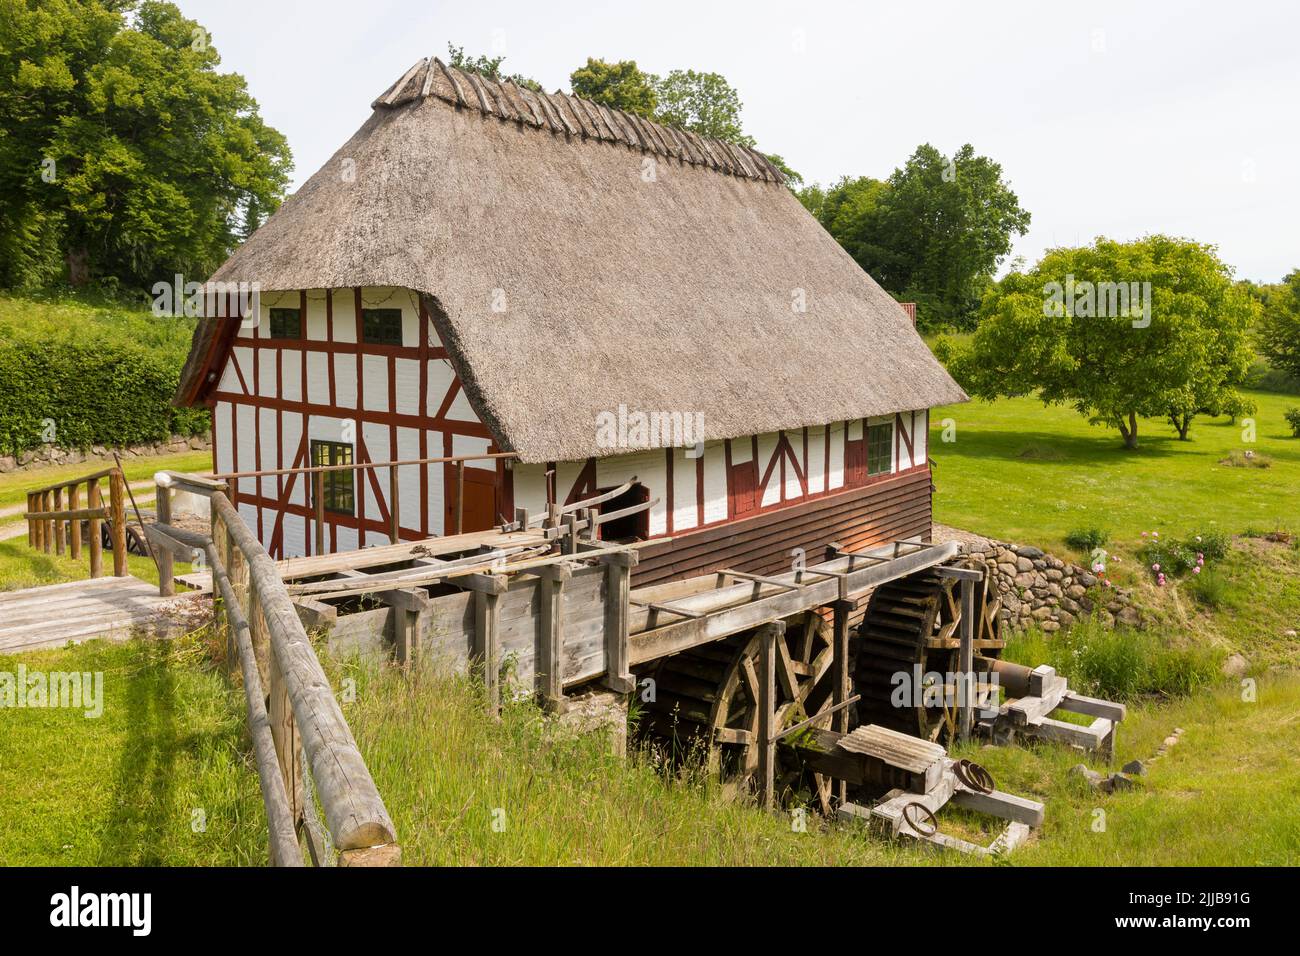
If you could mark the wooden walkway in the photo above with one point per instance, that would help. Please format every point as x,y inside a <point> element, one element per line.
<point>82,610</point>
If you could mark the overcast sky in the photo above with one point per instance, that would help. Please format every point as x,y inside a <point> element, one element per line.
<point>1115,119</point>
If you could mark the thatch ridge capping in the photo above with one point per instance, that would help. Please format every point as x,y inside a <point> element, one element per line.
<point>572,115</point>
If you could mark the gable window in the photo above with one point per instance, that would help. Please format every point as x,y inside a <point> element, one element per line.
<point>381,326</point>
<point>880,449</point>
<point>337,485</point>
<point>286,324</point>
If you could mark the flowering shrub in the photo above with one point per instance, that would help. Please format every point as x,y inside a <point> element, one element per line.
<point>1167,559</point>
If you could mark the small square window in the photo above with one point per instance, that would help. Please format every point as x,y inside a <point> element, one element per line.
<point>286,324</point>
<point>880,449</point>
<point>337,485</point>
<point>381,326</point>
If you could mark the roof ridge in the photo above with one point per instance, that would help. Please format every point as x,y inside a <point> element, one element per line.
<point>570,115</point>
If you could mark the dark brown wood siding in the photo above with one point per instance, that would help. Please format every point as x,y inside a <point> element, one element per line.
<point>888,509</point>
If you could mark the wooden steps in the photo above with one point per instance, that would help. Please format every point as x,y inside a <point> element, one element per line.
<point>76,611</point>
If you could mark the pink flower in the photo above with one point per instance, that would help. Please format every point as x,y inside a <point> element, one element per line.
<point>1144,534</point>
<point>1155,567</point>
<point>1200,558</point>
<point>1161,580</point>
<point>1196,570</point>
<point>1155,534</point>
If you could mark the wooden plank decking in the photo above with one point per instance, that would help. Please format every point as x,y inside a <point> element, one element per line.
<point>78,611</point>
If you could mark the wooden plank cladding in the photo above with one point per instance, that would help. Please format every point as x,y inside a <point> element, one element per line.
<point>890,510</point>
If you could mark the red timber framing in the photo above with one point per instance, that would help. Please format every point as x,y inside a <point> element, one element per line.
<point>372,396</point>
<point>784,490</point>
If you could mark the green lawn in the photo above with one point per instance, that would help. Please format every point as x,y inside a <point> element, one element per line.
<point>15,485</point>
<point>161,778</point>
<point>1019,471</point>
<point>21,567</point>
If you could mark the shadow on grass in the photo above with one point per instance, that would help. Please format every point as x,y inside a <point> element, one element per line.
<point>1053,448</point>
<point>144,784</point>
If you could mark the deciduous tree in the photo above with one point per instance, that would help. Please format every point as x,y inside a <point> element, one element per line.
<point>1121,331</point>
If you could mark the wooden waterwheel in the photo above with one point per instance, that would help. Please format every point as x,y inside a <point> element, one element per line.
<point>706,698</point>
<point>913,623</point>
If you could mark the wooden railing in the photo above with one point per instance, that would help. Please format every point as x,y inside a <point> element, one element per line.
<point>316,476</point>
<point>304,750</point>
<point>55,518</point>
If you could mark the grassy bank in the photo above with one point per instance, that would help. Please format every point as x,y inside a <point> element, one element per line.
<point>448,774</point>
<point>161,778</point>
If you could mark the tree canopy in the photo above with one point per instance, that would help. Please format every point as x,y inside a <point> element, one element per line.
<point>1279,329</point>
<point>934,232</point>
<point>125,156</point>
<point>1152,328</point>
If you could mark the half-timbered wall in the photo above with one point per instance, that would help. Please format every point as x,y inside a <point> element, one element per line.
<point>390,402</point>
<point>277,395</point>
<point>821,470</point>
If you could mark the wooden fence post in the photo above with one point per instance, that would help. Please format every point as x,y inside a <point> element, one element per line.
<point>394,507</point>
<point>117,510</point>
<point>318,481</point>
<point>47,526</point>
<point>166,568</point>
<point>94,500</point>
<point>74,526</point>
<point>33,524</point>
<point>58,523</point>
<point>840,675</point>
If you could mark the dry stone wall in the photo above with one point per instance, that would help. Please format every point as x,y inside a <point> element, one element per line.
<point>54,455</point>
<point>1039,587</point>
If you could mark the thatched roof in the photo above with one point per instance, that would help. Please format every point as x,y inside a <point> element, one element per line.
<point>638,265</point>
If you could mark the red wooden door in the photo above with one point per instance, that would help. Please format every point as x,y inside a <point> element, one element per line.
<point>743,490</point>
<point>479,511</point>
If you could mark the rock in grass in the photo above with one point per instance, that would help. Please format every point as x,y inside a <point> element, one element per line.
<point>1135,767</point>
<point>1117,782</point>
<point>1091,777</point>
<point>1235,666</point>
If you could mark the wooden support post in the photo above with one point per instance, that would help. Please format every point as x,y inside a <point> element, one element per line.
<point>966,658</point>
<point>618,583</point>
<point>94,501</point>
<point>74,526</point>
<point>117,512</point>
<point>768,635</point>
<point>460,496</point>
<point>394,507</point>
<point>549,660</point>
<point>840,675</point>
<point>318,493</point>
<point>487,636</point>
<point>163,508</point>
<point>33,525</point>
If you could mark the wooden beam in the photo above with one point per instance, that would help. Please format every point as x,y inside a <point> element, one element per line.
<point>117,505</point>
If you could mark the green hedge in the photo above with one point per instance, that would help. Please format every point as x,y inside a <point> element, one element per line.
<point>97,390</point>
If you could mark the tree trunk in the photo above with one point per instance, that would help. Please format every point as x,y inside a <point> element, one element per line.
<point>1129,430</point>
<point>78,267</point>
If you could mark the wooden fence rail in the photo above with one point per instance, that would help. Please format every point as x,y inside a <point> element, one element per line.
<point>55,518</point>
<point>297,725</point>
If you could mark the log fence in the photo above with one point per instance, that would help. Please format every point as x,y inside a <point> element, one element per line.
<point>56,518</point>
<point>306,755</point>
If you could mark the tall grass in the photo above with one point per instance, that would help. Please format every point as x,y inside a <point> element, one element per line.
<point>1119,664</point>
